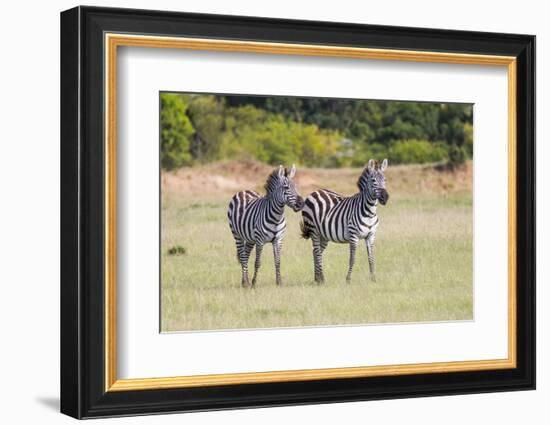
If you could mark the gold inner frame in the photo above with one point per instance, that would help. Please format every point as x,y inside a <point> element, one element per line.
<point>113,41</point>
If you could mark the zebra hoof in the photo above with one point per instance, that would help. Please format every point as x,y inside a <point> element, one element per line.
<point>245,285</point>
<point>372,278</point>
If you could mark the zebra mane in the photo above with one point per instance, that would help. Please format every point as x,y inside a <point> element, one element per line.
<point>363,181</point>
<point>272,178</point>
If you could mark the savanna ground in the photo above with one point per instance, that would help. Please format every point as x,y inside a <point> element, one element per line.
<point>423,253</point>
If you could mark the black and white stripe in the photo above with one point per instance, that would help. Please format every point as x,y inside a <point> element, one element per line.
<point>331,217</point>
<point>255,220</point>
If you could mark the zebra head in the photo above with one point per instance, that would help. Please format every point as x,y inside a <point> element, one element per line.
<point>281,186</point>
<point>373,182</point>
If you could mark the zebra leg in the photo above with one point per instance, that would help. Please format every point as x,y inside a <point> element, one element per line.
<point>277,244</point>
<point>243,252</point>
<point>319,246</point>
<point>352,248</point>
<point>323,245</point>
<point>257,264</point>
<point>370,251</point>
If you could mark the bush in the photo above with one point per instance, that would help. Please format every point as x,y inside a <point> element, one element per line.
<point>416,152</point>
<point>269,138</point>
<point>469,139</point>
<point>371,150</point>
<point>177,250</point>
<point>457,156</point>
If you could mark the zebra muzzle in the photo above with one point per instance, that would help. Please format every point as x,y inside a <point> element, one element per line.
<point>384,196</point>
<point>299,204</point>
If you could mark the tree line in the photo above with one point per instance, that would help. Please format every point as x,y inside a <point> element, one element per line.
<point>312,132</point>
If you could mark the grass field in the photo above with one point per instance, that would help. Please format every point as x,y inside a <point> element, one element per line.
<point>423,254</point>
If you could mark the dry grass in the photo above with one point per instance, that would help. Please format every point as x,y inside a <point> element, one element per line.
<point>424,254</point>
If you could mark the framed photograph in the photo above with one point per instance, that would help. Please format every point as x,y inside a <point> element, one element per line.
<point>261,212</point>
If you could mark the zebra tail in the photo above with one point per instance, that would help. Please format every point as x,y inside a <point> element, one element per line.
<point>306,230</point>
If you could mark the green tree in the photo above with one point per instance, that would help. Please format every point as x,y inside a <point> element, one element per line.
<point>317,132</point>
<point>208,115</point>
<point>176,131</point>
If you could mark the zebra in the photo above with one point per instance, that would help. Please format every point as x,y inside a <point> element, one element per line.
<point>331,217</point>
<point>255,220</point>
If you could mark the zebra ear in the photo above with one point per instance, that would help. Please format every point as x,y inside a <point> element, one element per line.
<point>370,165</point>
<point>292,171</point>
<point>281,171</point>
<point>384,165</point>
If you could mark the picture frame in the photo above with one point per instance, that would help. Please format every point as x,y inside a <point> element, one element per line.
<point>90,39</point>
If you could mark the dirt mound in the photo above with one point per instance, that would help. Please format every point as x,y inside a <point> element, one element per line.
<point>427,179</point>
<point>216,179</point>
<point>226,178</point>
<point>241,168</point>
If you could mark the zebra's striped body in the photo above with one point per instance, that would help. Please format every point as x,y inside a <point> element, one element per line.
<point>255,220</point>
<point>331,217</point>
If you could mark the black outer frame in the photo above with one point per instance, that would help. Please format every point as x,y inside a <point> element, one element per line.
<point>82,216</point>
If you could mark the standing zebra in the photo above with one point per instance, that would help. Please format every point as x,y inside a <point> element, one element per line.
<point>331,217</point>
<point>255,220</point>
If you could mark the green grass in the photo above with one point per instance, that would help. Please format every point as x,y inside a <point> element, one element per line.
<point>423,262</point>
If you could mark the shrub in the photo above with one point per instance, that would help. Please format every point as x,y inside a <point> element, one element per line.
<point>177,250</point>
<point>272,139</point>
<point>416,152</point>
<point>457,156</point>
<point>469,139</point>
